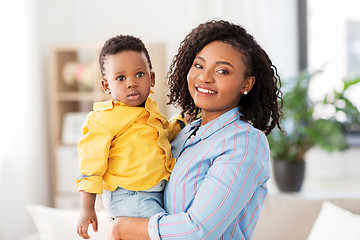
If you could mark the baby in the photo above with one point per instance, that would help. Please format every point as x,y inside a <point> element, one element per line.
<point>125,151</point>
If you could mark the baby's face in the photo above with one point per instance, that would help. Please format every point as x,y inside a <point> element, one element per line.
<point>128,77</point>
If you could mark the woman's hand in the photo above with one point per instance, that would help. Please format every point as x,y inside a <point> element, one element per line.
<point>129,228</point>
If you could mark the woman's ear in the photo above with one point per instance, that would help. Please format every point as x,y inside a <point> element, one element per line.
<point>248,84</point>
<point>105,86</point>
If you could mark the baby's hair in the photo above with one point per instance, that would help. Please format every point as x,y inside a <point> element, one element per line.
<point>121,43</point>
<point>262,105</point>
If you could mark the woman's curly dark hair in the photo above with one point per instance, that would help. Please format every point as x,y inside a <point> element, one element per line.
<point>121,43</point>
<point>262,106</point>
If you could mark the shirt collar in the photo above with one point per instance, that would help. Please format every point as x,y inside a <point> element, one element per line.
<point>216,124</point>
<point>149,103</point>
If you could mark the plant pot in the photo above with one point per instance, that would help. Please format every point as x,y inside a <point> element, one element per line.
<point>289,176</point>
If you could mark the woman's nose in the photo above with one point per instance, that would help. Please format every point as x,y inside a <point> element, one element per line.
<point>205,76</point>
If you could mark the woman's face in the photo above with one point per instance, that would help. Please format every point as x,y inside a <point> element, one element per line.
<point>216,79</point>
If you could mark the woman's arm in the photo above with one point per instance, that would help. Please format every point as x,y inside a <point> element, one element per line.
<point>129,228</point>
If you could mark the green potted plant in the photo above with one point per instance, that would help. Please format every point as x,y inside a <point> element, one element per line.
<point>303,131</point>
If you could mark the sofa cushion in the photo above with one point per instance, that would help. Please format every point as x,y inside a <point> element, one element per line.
<point>59,224</point>
<point>335,223</point>
<point>291,216</point>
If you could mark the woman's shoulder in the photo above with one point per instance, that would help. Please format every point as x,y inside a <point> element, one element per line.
<point>244,129</point>
<point>245,126</point>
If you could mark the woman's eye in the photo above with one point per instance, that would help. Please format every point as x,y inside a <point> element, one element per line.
<point>223,71</point>
<point>140,74</point>
<point>196,65</point>
<point>120,78</point>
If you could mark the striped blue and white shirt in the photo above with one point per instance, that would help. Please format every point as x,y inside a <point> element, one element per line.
<point>218,185</point>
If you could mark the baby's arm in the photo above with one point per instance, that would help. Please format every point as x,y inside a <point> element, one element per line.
<point>87,215</point>
<point>175,125</point>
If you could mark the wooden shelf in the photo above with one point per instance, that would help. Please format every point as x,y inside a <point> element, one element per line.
<point>83,96</point>
<point>67,97</point>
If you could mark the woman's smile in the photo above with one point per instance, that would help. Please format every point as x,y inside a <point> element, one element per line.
<point>204,90</point>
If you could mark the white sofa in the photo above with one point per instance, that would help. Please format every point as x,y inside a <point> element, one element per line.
<point>283,217</point>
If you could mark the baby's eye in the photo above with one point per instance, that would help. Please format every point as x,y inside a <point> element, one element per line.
<point>121,78</point>
<point>140,74</point>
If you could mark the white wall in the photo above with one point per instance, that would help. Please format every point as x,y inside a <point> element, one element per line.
<point>30,28</point>
<point>328,44</point>
<point>93,21</point>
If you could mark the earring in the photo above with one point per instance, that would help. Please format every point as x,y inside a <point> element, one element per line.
<point>245,92</point>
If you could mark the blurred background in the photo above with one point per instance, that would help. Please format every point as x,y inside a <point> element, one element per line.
<point>40,101</point>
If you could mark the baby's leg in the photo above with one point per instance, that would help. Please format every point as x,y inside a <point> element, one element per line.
<point>150,203</point>
<point>127,203</point>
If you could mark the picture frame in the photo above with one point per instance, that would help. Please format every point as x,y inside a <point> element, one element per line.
<point>71,129</point>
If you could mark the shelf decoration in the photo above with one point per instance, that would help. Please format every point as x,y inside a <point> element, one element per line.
<point>79,73</point>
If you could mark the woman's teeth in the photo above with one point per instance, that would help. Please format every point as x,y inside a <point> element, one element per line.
<point>203,90</point>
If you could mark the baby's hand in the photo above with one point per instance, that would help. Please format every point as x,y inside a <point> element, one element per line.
<point>86,218</point>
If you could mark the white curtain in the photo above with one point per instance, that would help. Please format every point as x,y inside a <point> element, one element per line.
<point>23,149</point>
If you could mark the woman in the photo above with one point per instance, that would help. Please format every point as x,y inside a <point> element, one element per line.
<point>218,185</point>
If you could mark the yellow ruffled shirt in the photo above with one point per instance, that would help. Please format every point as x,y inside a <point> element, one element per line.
<point>125,146</point>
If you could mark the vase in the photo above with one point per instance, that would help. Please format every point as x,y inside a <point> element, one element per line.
<point>289,176</point>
